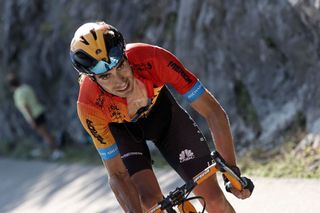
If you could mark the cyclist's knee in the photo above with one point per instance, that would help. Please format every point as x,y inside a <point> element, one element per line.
<point>219,203</point>
<point>150,199</point>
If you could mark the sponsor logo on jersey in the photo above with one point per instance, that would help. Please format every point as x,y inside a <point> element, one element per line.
<point>186,155</point>
<point>109,153</point>
<point>100,100</point>
<point>94,131</point>
<point>194,92</point>
<point>180,71</point>
<point>115,113</point>
<point>142,67</point>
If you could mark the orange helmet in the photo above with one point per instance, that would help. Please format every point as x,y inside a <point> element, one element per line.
<point>96,48</point>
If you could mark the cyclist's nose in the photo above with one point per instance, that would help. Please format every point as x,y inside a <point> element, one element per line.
<point>119,78</point>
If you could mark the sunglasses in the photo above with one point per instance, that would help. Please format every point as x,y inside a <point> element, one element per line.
<point>87,64</point>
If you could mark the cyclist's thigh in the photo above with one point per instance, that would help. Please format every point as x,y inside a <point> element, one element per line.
<point>132,146</point>
<point>185,147</point>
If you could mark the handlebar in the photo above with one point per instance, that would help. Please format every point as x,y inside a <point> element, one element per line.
<point>178,196</point>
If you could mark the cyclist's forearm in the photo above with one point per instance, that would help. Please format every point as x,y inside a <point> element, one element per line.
<point>125,193</point>
<point>218,123</point>
<point>220,129</point>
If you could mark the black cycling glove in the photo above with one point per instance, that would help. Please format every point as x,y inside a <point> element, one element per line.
<point>248,184</point>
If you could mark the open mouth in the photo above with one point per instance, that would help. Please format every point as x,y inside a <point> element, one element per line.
<point>124,87</point>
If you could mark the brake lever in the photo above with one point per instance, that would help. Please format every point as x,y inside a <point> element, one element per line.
<point>228,172</point>
<point>177,196</point>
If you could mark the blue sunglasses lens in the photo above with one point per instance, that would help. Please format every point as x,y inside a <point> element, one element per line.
<point>115,56</point>
<point>101,67</point>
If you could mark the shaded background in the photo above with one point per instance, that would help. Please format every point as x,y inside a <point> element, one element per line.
<point>259,58</point>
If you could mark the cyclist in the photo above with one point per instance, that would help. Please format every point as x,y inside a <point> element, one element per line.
<point>123,101</point>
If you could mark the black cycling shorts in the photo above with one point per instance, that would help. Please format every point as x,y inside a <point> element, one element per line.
<point>174,133</point>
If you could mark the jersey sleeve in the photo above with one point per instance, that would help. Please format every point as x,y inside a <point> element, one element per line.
<point>171,71</point>
<point>96,125</point>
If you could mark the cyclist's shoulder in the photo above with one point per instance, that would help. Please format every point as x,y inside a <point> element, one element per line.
<point>89,91</point>
<point>138,45</point>
<point>133,47</point>
<point>134,50</point>
<point>142,53</point>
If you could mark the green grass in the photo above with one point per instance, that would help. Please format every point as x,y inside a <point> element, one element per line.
<point>282,162</point>
<point>85,154</point>
<point>74,153</point>
<point>20,149</point>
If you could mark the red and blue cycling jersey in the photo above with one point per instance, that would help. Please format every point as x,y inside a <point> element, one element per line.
<point>152,65</point>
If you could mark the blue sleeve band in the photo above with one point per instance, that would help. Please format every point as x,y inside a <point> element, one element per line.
<point>194,92</point>
<point>109,153</point>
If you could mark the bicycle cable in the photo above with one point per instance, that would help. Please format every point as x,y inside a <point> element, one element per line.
<point>194,198</point>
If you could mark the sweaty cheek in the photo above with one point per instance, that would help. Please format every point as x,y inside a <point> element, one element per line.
<point>129,73</point>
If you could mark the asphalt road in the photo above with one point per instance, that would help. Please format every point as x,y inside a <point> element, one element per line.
<point>40,187</point>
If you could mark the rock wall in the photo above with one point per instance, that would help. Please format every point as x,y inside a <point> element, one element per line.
<point>259,58</point>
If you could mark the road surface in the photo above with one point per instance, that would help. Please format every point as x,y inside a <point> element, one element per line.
<point>42,187</point>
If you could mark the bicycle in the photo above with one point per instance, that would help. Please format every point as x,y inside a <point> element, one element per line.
<point>179,197</point>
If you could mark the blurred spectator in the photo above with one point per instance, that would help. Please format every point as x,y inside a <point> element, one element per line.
<point>34,112</point>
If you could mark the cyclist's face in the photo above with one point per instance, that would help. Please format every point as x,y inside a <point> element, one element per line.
<point>117,81</point>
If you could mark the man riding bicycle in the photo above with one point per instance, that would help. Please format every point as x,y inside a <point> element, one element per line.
<point>123,101</point>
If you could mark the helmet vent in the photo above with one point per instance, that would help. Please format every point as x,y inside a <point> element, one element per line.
<point>84,40</point>
<point>94,34</point>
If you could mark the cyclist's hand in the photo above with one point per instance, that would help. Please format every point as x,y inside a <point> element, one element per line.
<point>245,192</point>
<point>248,185</point>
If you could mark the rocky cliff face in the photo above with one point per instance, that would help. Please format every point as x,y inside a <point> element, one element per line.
<point>259,58</point>
<point>261,61</point>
